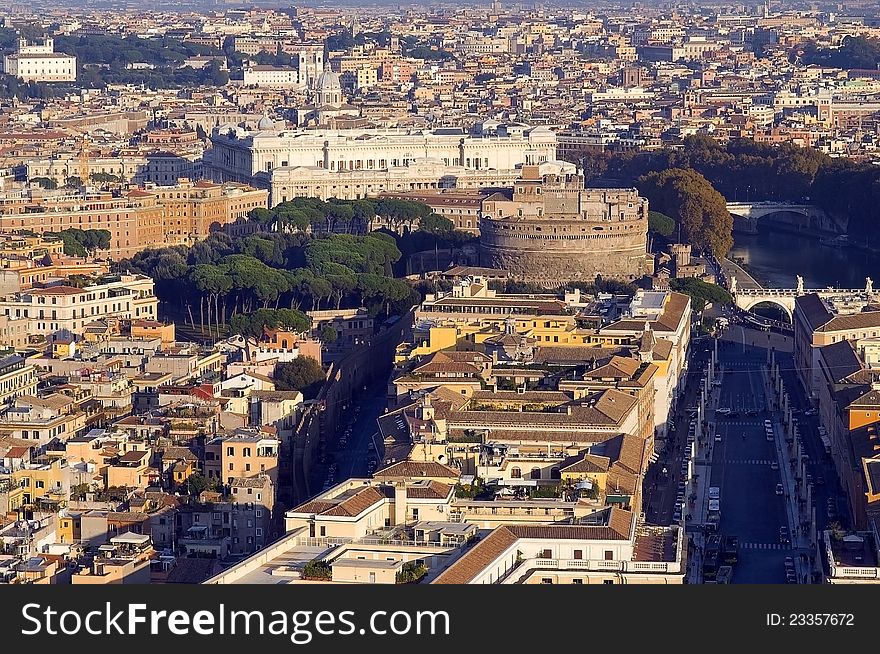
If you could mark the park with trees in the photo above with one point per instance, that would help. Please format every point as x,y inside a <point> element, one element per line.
<point>227,285</point>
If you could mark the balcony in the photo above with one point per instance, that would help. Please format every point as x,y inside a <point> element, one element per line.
<point>519,573</point>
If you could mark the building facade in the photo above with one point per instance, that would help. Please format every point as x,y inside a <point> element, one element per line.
<point>40,63</point>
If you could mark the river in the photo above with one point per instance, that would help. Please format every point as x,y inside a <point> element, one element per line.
<point>775,258</point>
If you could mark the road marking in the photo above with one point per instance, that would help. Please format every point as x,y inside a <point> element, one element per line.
<point>764,546</point>
<point>756,462</point>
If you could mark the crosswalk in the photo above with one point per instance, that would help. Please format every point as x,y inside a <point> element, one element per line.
<point>751,462</point>
<point>764,546</point>
<point>744,423</point>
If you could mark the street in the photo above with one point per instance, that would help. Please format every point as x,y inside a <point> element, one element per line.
<point>743,468</point>
<point>734,454</point>
<point>351,459</point>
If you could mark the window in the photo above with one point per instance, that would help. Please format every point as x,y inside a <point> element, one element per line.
<point>536,473</point>
<point>578,555</point>
<point>608,582</point>
<point>323,531</point>
<point>609,555</point>
<point>579,582</point>
<point>546,580</point>
<point>515,473</point>
<point>547,554</point>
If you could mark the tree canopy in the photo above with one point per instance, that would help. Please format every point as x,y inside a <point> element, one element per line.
<point>303,374</point>
<point>81,243</point>
<point>700,292</point>
<point>661,223</point>
<point>694,204</point>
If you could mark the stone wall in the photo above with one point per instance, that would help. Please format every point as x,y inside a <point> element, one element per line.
<point>552,252</point>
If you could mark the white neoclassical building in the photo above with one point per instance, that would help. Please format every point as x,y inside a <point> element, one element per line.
<point>288,182</point>
<point>40,63</point>
<point>249,156</point>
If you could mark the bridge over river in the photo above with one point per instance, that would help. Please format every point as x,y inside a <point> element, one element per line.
<point>803,217</point>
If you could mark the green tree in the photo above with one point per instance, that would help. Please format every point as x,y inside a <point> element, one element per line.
<point>303,374</point>
<point>661,223</point>
<point>317,570</point>
<point>700,292</point>
<point>328,335</point>
<point>700,210</point>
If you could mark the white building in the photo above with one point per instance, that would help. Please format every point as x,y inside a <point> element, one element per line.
<point>239,154</point>
<point>421,174</point>
<point>271,76</point>
<point>40,63</point>
<point>63,307</point>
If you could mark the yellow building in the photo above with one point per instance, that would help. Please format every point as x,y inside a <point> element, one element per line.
<point>69,528</point>
<point>150,329</point>
<point>45,485</point>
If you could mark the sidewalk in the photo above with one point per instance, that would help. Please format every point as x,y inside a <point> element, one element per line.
<point>700,482</point>
<point>799,540</point>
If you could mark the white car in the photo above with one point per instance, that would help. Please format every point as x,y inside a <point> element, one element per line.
<point>717,438</point>
<point>779,489</point>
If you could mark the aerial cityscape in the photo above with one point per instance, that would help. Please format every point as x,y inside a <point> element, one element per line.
<point>471,293</point>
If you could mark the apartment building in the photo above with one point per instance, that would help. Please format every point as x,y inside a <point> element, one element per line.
<point>17,378</point>
<point>242,454</point>
<point>613,550</point>
<point>64,307</point>
<point>821,321</point>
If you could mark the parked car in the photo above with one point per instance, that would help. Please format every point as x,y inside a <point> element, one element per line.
<point>779,489</point>
<point>774,465</point>
<point>717,438</point>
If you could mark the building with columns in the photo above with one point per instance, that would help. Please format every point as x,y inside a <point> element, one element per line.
<point>249,156</point>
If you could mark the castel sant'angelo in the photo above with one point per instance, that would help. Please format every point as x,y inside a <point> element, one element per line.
<point>551,230</point>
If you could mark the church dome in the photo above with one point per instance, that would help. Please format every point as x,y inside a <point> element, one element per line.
<point>328,81</point>
<point>265,123</point>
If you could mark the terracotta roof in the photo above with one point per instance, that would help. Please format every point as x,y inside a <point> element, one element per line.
<point>357,503</point>
<point>811,307</point>
<point>56,290</point>
<point>617,368</point>
<point>478,557</point>
<point>655,545</point>
<point>487,551</point>
<point>863,320</point>
<point>576,354</point>
<point>433,490</point>
<point>663,348</point>
<point>840,359</point>
<point>314,506</point>
<point>871,399</point>
<point>586,463</point>
<point>418,470</point>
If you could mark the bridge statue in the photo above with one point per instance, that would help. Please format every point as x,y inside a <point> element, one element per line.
<point>732,284</point>
<point>800,285</point>
<point>869,286</point>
